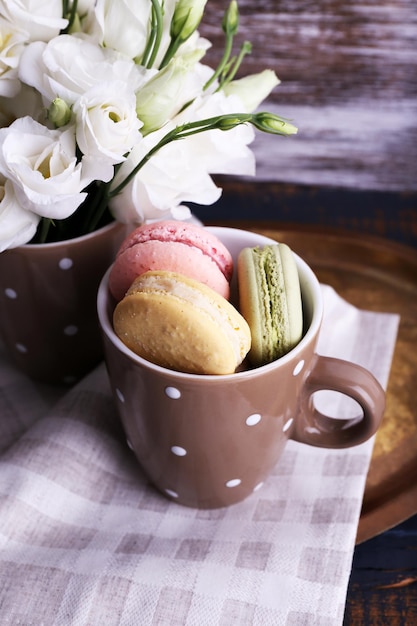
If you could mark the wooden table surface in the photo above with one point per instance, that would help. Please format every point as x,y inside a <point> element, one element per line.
<point>383,584</point>
<point>349,82</point>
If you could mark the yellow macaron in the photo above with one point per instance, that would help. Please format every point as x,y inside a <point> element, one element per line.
<point>179,323</point>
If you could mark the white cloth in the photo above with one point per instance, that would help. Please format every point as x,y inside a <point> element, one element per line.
<point>85,541</point>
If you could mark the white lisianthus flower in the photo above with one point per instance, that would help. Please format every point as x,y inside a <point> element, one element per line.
<point>41,19</point>
<point>12,43</point>
<point>17,225</point>
<point>68,66</point>
<point>220,152</point>
<point>158,191</point>
<point>253,89</point>
<point>169,90</point>
<point>180,171</point>
<point>107,106</point>
<point>42,167</point>
<point>195,42</point>
<point>122,25</point>
<point>106,125</point>
<point>84,6</point>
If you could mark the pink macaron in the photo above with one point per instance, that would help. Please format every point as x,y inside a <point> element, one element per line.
<point>174,246</point>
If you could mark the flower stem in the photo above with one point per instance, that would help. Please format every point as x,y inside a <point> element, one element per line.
<point>44,229</point>
<point>223,62</point>
<point>71,16</point>
<point>172,49</point>
<point>222,122</point>
<point>245,49</point>
<point>97,207</point>
<point>264,121</point>
<point>155,37</point>
<point>230,25</point>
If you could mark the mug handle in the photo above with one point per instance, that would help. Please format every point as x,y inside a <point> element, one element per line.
<point>316,429</point>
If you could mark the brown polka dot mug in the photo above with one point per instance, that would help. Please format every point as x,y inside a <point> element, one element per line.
<point>210,441</point>
<point>48,314</point>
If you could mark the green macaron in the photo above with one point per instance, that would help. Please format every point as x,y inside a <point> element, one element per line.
<point>270,300</point>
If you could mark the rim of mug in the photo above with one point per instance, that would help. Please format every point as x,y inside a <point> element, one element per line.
<point>74,240</point>
<point>308,280</point>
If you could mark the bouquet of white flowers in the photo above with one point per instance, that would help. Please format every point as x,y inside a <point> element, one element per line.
<point>94,98</point>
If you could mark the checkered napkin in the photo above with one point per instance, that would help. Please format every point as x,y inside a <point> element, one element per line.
<point>86,541</point>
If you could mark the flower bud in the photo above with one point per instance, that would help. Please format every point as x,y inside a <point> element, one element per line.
<point>227,122</point>
<point>162,96</point>
<point>187,16</point>
<point>59,113</point>
<point>252,90</point>
<point>270,123</point>
<point>230,22</point>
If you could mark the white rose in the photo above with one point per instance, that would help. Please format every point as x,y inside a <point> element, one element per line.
<point>106,125</point>
<point>68,66</point>
<point>17,225</point>
<point>123,25</point>
<point>42,166</point>
<point>12,43</point>
<point>41,19</point>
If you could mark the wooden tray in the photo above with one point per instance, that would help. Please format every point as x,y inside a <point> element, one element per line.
<point>379,275</point>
